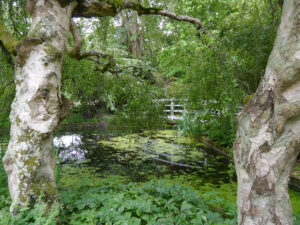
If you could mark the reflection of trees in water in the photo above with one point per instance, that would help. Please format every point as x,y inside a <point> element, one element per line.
<point>69,147</point>
<point>141,163</point>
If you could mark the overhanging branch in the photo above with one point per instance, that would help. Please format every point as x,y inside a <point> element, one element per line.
<point>92,55</point>
<point>86,54</point>
<point>77,43</point>
<point>154,11</point>
<point>95,8</point>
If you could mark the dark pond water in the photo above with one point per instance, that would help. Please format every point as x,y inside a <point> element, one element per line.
<point>95,153</point>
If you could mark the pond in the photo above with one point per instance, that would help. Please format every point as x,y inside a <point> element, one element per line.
<point>94,153</point>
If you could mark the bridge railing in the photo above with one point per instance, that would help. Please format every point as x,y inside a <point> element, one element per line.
<point>175,108</point>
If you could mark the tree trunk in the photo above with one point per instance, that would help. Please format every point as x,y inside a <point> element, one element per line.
<point>268,135</point>
<point>141,37</point>
<point>134,35</point>
<point>38,105</point>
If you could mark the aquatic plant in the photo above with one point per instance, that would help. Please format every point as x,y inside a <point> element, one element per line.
<point>205,123</point>
<point>189,126</point>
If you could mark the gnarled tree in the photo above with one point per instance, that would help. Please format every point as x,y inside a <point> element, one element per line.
<point>268,135</point>
<point>39,104</point>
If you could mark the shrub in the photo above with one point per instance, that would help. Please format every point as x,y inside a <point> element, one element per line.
<point>152,203</point>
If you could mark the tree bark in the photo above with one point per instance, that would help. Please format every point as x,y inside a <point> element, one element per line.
<point>268,134</point>
<point>96,8</point>
<point>133,34</point>
<point>38,105</point>
<point>133,40</point>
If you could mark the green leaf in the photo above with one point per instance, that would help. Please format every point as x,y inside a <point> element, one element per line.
<point>185,206</point>
<point>134,221</point>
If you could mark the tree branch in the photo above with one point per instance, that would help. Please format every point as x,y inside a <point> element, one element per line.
<point>7,54</point>
<point>109,65</point>
<point>77,40</point>
<point>7,39</point>
<point>86,54</point>
<point>77,43</point>
<point>155,11</point>
<point>94,8</point>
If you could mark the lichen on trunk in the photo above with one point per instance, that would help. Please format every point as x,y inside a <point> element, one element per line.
<point>268,135</point>
<point>38,105</point>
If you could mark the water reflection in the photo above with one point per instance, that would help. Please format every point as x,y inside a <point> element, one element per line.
<point>138,159</point>
<point>69,147</point>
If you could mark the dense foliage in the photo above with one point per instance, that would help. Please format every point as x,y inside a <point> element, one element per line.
<point>154,57</point>
<point>6,90</point>
<point>217,71</point>
<point>150,58</point>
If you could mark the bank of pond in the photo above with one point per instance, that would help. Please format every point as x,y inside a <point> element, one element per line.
<point>105,177</point>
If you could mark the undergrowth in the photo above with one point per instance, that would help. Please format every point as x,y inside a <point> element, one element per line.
<point>151,203</point>
<point>115,203</point>
<point>219,128</point>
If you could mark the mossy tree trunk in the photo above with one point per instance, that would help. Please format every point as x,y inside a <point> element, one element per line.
<point>268,135</point>
<point>38,105</point>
